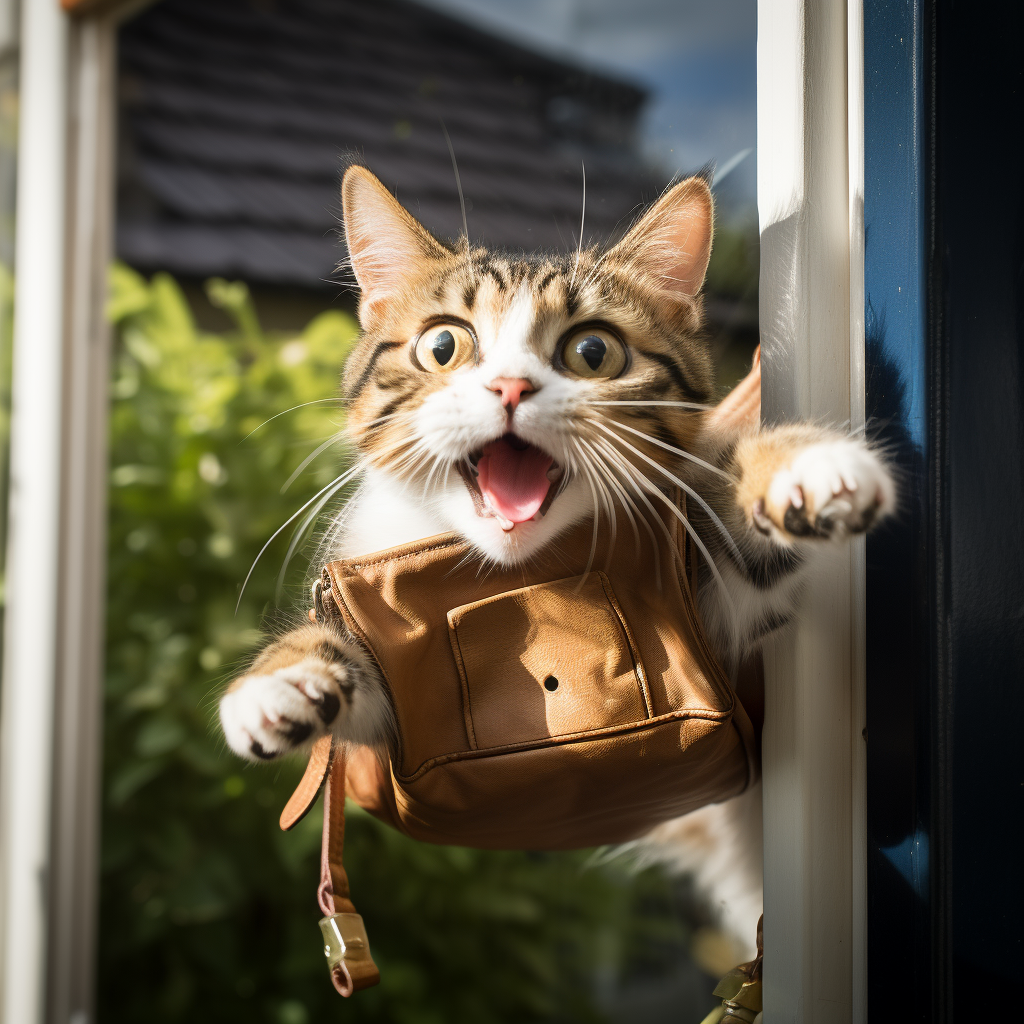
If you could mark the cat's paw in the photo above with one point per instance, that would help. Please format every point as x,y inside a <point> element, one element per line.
<point>830,489</point>
<point>267,715</point>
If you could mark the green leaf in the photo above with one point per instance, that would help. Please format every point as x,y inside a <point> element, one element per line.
<point>128,295</point>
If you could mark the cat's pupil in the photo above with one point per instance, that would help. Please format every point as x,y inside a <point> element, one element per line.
<point>444,347</point>
<point>593,350</point>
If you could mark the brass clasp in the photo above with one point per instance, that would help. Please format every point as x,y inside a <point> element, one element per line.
<point>741,999</point>
<point>345,940</point>
<point>319,611</point>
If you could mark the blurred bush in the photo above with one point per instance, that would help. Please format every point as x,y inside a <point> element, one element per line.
<point>735,263</point>
<point>208,912</point>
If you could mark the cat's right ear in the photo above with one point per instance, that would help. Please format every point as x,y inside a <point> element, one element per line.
<point>388,248</point>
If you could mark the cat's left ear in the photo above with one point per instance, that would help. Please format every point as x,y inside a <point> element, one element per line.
<point>672,240</point>
<point>387,245</point>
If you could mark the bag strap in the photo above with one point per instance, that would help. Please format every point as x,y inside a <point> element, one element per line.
<point>302,800</point>
<point>350,973</point>
<point>333,891</point>
<point>346,945</point>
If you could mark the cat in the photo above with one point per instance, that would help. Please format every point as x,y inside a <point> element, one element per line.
<point>507,398</point>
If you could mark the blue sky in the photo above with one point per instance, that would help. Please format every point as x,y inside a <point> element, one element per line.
<point>697,57</point>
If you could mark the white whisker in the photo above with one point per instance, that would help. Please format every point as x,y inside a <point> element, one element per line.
<point>302,405</point>
<point>688,526</point>
<point>438,465</point>
<point>599,492</point>
<point>300,532</point>
<point>670,448</point>
<point>407,456</point>
<point>726,535</point>
<point>642,402</point>
<point>624,498</point>
<point>309,458</point>
<point>381,419</point>
<point>337,482</point>
<point>632,475</point>
<point>597,516</point>
<point>458,180</point>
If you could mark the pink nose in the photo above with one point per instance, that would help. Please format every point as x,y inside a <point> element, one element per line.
<point>512,390</point>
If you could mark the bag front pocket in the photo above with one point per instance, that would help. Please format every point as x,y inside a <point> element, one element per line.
<point>546,661</point>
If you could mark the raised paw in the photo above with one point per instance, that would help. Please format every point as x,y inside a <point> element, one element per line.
<point>831,489</point>
<point>267,715</point>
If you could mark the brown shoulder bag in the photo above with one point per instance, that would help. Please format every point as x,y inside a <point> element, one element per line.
<point>572,702</point>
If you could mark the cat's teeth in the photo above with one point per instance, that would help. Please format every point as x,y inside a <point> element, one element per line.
<point>489,509</point>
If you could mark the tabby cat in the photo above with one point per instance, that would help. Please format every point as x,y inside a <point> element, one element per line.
<point>506,399</point>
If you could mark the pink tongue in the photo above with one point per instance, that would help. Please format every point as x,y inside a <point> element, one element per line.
<point>515,482</point>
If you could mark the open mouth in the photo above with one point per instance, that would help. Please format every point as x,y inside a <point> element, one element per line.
<point>511,480</point>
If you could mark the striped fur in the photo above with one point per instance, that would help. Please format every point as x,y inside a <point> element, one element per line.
<point>670,358</point>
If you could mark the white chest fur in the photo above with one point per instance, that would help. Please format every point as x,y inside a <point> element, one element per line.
<point>382,514</point>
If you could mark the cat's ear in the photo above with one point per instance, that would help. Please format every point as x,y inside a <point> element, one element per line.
<point>672,241</point>
<point>388,248</point>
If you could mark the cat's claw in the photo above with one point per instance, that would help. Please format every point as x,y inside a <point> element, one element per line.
<point>265,716</point>
<point>829,490</point>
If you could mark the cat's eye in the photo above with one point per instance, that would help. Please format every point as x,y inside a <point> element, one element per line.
<point>594,352</point>
<point>444,347</point>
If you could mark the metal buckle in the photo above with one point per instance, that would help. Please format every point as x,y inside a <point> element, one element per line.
<point>741,998</point>
<point>345,939</point>
<point>318,601</point>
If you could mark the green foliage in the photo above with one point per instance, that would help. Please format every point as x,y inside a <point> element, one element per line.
<point>208,911</point>
<point>733,270</point>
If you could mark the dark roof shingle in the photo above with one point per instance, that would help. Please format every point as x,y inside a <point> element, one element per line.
<point>238,117</point>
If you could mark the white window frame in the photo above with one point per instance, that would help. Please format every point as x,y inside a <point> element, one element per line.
<point>810,91</point>
<point>810,194</point>
<point>51,728</point>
